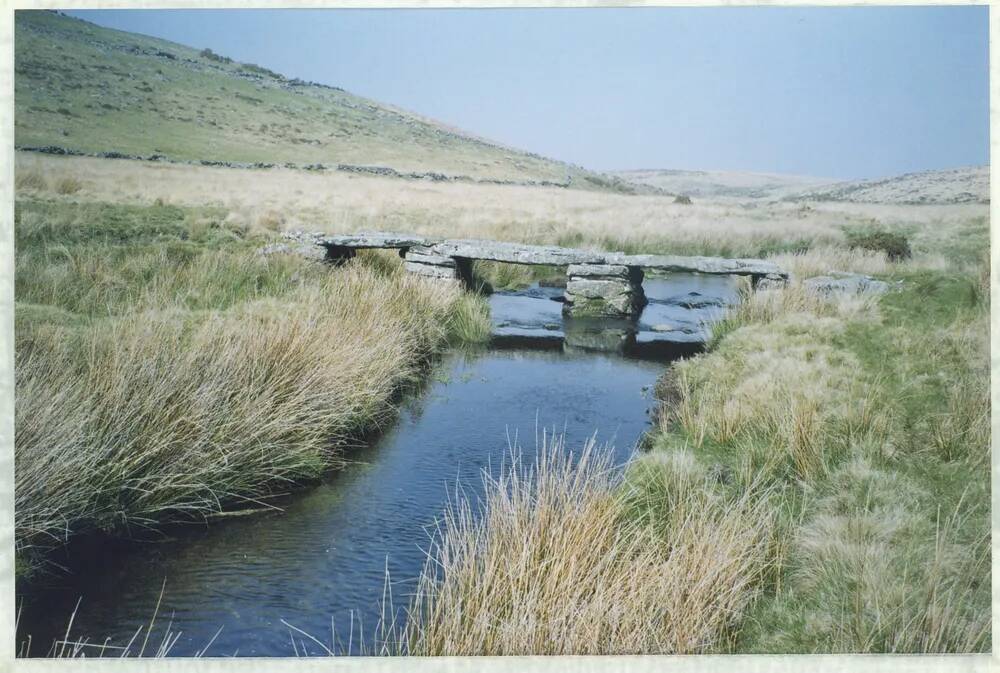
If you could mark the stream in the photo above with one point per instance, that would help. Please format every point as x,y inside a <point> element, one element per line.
<point>320,563</point>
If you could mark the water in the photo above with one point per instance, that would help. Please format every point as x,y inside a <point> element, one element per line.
<point>325,556</point>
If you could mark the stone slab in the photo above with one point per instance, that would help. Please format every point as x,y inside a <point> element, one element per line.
<point>374,239</point>
<point>709,265</point>
<point>430,270</point>
<point>598,270</point>
<point>597,289</point>
<point>515,253</point>
<point>435,260</point>
<point>845,284</point>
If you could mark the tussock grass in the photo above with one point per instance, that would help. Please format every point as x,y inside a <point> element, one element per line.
<point>68,185</point>
<point>30,180</point>
<point>567,558</point>
<point>870,418</point>
<point>171,381</point>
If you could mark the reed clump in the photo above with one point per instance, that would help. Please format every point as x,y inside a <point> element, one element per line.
<point>569,557</point>
<point>172,381</point>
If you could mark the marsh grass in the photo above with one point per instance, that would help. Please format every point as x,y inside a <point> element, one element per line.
<point>173,380</point>
<point>503,276</point>
<point>68,185</point>
<point>565,556</point>
<point>32,180</point>
<point>870,418</point>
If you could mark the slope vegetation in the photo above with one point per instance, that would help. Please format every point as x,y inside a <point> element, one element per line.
<point>957,185</point>
<point>89,89</point>
<point>724,184</point>
<point>948,186</point>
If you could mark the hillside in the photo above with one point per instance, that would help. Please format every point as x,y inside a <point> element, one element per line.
<point>948,186</point>
<point>95,90</point>
<point>956,185</point>
<point>723,184</point>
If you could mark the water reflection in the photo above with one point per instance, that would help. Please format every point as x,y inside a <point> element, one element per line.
<point>675,323</point>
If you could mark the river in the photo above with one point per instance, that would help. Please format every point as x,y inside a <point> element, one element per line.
<point>321,562</point>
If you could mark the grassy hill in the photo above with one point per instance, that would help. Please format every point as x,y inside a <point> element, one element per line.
<point>948,186</point>
<point>93,89</point>
<point>724,184</point>
<point>956,185</point>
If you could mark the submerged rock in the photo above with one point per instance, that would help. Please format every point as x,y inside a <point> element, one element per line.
<point>694,300</point>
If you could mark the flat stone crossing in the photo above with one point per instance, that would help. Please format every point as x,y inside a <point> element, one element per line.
<point>599,283</point>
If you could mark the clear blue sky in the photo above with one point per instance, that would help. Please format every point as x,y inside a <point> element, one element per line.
<point>831,92</point>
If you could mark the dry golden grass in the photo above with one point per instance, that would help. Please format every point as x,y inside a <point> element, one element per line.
<point>163,412</point>
<point>338,203</point>
<point>564,558</point>
<point>784,505</point>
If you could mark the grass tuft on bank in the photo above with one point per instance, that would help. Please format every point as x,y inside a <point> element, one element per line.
<point>165,369</point>
<point>566,557</point>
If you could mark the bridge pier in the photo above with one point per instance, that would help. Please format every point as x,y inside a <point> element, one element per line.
<point>605,290</point>
<point>770,281</point>
<point>424,261</point>
<point>338,254</point>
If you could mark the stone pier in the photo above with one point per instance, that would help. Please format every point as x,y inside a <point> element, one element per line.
<point>425,261</point>
<point>607,290</point>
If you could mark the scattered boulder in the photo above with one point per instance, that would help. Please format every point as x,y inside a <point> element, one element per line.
<point>840,283</point>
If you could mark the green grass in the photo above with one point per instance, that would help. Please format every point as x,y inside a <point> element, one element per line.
<point>94,89</point>
<point>503,276</point>
<point>873,424</point>
<point>166,370</point>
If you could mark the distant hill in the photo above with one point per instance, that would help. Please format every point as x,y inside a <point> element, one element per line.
<point>727,184</point>
<point>949,186</point>
<point>956,185</point>
<point>91,89</point>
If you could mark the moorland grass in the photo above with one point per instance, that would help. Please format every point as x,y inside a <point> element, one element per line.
<point>95,89</point>
<point>818,481</point>
<point>663,562</point>
<point>165,369</point>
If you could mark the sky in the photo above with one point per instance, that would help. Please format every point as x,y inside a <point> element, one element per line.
<point>844,92</point>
